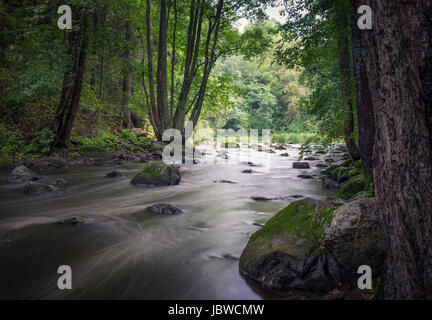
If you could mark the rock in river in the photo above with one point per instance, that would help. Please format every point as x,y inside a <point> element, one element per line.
<point>163,208</point>
<point>74,221</point>
<point>157,173</point>
<point>262,199</point>
<point>286,253</point>
<point>114,174</point>
<point>314,245</point>
<point>38,187</point>
<point>22,174</point>
<point>301,165</point>
<point>305,176</point>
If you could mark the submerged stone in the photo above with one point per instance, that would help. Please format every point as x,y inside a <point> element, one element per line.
<point>262,199</point>
<point>38,187</point>
<point>74,221</point>
<point>114,174</point>
<point>305,176</point>
<point>163,208</point>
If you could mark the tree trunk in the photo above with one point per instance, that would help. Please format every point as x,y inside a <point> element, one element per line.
<point>71,94</point>
<point>162,69</point>
<point>346,79</point>
<point>365,113</point>
<point>399,66</point>
<point>127,77</point>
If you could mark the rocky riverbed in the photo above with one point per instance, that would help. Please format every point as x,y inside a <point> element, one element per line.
<point>123,238</point>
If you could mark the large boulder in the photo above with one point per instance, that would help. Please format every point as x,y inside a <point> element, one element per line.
<point>22,174</point>
<point>354,238</point>
<point>316,245</point>
<point>157,173</point>
<point>286,253</point>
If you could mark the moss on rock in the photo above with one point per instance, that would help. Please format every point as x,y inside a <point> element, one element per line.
<point>157,173</point>
<point>284,253</point>
<point>352,187</point>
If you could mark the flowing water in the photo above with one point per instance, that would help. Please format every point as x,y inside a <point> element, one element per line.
<point>125,252</point>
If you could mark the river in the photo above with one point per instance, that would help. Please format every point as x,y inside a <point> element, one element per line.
<point>125,252</point>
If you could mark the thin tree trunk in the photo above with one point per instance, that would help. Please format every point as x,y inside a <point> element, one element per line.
<point>162,69</point>
<point>365,112</point>
<point>154,107</point>
<point>127,77</point>
<point>173,64</point>
<point>71,99</point>
<point>346,79</point>
<point>399,66</point>
<point>210,58</point>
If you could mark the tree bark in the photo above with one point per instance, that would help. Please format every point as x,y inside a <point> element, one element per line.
<point>399,67</point>
<point>346,79</point>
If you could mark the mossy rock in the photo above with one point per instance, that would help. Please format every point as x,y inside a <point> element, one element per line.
<point>157,173</point>
<point>352,187</point>
<point>38,187</point>
<point>22,174</point>
<point>285,253</point>
<point>230,145</point>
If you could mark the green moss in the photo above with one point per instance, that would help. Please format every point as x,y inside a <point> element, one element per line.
<point>299,219</point>
<point>157,173</point>
<point>292,236</point>
<point>358,164</point>
<point>352,187</point>
<point>348,163</point>
<point>330,170</point>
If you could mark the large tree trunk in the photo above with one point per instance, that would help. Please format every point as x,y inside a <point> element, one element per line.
<point>72,87</point>
<point>346,78</point>
<point>365,113</point>
<point>399,67</point>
